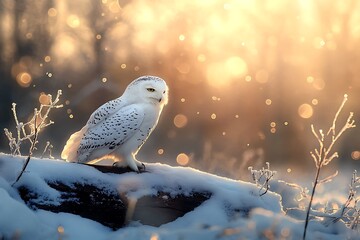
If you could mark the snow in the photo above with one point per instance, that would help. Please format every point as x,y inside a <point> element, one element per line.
<point>234,210</point>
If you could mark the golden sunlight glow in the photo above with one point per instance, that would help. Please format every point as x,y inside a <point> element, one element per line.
<point>223,73</point>
<point>64,46</point>
<point>73,21</point>
<point>114,6</point>
<point>201,58</point>
<point>310,79</point>
<point>262,76</point>
<point>236,66</point>
<point>305,110</point>
<point>182,159</point>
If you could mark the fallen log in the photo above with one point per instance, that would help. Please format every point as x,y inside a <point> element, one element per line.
<point>102,201</point>
<point>111,208</point>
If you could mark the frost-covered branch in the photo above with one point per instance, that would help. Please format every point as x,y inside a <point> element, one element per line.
<point>26,131</point>
<point>48,148</point>
<point>323,155</point>
<point>29,131</point>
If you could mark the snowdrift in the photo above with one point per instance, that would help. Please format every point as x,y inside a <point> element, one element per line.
<point>55,199</point>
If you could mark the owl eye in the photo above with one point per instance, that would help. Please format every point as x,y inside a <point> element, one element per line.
<point>151,89</point>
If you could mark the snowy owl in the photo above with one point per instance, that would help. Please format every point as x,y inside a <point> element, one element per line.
<point>120,127</point>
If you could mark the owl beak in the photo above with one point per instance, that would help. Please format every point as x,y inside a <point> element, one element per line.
<point>160,99</point>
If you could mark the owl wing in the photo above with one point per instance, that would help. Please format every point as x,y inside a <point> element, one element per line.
<point>104,135</point>
<point>70,151</point>
<point>105,110</point>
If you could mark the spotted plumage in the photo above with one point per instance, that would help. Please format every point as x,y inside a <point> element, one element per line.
<point>120,127</point>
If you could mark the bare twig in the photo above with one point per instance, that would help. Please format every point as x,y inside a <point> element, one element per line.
<point>323,155</point>
<point>32,147</point>
<point>29,131</point>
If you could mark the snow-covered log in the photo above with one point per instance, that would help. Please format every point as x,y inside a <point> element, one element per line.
<point>54,197</point>
<point>91,193</point>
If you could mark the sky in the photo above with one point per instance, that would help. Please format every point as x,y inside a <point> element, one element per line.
<point>247,78</point>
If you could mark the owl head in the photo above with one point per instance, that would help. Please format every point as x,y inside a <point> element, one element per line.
<point>148,89</point>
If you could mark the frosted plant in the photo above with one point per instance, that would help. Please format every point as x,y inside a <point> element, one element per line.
<point>262,178</point>
<point>29,131</point>
<point>324,154</point>
<point>350,210</point>
<point>301,197</point>
<point>48,148</point>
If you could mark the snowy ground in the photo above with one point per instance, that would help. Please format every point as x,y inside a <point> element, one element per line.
<point>211,220</point>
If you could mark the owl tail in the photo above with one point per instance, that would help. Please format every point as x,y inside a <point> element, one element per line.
<point>69,152</point>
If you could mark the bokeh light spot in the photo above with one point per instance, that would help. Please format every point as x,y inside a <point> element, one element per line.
<point>60,229</point>
<point>52,12</point>
<point>44,99</point>
<point>47,59</point>
<point>73,21</point>
<point>24,79</point>
<point>305,110</point>
<point>310,79</point>
<point>213,116</point>
<point>160,151</point>
<point>181,37</point>
<point>182,159</point>
<point>180,120</point>
<point>355,155</point>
